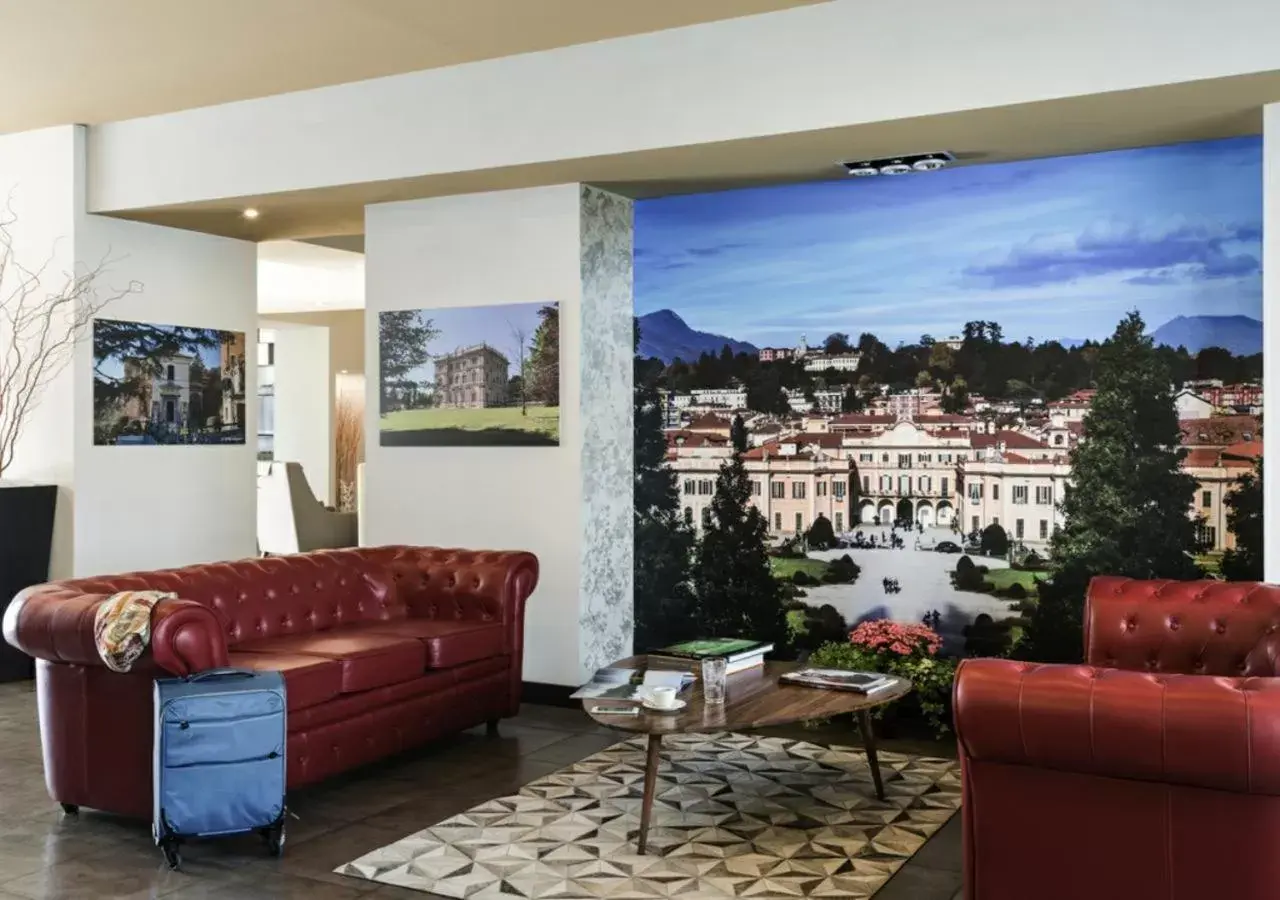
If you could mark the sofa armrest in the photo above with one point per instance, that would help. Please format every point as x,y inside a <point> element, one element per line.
<point>53,623</point>
<point>1201,731</point>
<point>479,585</point>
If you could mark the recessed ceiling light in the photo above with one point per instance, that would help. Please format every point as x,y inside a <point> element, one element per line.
<point>861,170</point>
<point>929,164</point>
<point>897,167</point>
<point>250,213</point>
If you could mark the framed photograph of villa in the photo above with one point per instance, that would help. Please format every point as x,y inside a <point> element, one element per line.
<point>470,376</point>
<point>167,384</point>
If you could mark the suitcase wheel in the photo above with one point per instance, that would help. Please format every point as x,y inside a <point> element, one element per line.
<point>274,837</point>
<point>169,847</point>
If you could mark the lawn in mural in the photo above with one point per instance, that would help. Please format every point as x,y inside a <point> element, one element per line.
<point>949,396</point>
<point>477,375</point>
<point>167,384</point>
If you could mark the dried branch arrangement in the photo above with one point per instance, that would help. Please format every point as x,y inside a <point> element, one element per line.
<point>39,329</point>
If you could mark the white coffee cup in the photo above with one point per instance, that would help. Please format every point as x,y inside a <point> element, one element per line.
<point>662,697</point>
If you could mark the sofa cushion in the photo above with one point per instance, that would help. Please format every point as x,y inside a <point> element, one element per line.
<point>448,642</point>
<point>308,680</point>
<point>368,660</point>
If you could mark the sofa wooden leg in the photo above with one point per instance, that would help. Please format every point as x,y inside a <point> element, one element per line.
<point>491,728</point>
<point>70,809</point>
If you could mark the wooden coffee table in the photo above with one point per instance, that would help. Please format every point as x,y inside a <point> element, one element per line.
<point>753,699</point>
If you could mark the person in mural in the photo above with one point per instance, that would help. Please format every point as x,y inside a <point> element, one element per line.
<point>990,332</point>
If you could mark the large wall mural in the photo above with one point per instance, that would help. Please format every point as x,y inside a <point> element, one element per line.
<point>949,397</point>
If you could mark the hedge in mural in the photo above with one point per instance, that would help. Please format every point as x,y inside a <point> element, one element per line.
<point>952,396</point>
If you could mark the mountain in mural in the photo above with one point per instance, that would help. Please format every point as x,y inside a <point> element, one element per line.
<point>665,336</point>
<point>1241,335</point>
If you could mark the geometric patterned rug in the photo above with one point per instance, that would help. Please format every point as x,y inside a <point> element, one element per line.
<point>735,816</point>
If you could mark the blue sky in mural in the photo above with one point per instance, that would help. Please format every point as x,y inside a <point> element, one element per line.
<point>467,326</point>
<point>1051,249</point>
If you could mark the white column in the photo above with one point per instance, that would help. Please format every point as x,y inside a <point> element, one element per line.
<point>305,401</point>
<point>571,504</point>
<point>1271,337</point>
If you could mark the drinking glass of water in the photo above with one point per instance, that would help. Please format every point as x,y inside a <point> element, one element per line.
<point>713,676</point>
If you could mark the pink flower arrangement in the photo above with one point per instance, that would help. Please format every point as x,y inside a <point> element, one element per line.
<point>896,637</point>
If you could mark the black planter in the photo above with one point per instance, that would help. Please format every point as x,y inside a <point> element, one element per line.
<point>26,539</point>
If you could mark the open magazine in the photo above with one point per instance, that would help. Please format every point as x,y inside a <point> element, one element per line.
<point>630,684</point>
<point>839,680</point>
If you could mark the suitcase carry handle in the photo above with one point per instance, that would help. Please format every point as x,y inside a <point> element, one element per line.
<point>221,673</point>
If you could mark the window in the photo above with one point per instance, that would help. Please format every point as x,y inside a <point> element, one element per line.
<point>777,490</point>
<point>995,492</point>
<point>975,524</point>
<point>904,460</point>
<point>799,522</point>
<point>755,488</point>
<point>1019,493</point>
<point>689,487</point>
<point>886,483</point>
<point>1044,529</point>
<point>706,487</point>
<point>975,491</point>
<point>1018,529</point>
<point>943,489</point>
<point>706,517</point>
<point>866,457</point>
<point>1044,495</point>
<point>904,485</point>
<point>1057,440</point>
<point>866,484</point>
<point>797,490</point>
<point>777,521</point>
<point>839,522</point>
<point>884,457</point>
<point>926,484</point>
<point>169,373</point>
<point>924,457</point>
<point>1207,536</point>
<point>995,520</point>
<point>1206,499</point>
<point>837,488</point>
<point>822,489</point>
<point>688,515</point>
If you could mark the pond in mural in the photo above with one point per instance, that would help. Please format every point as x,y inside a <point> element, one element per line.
<point>948,395</point>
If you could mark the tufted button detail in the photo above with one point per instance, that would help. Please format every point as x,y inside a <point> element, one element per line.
<point>1130,623</point>
<point>1174,624</point>
<point>1220,627</point>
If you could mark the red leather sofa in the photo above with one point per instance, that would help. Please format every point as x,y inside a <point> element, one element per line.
<point>1153,771</point>
<point>381,649</point>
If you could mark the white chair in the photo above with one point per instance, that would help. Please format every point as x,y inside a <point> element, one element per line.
<point>292,520</point>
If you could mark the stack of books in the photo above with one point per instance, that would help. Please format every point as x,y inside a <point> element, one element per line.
<point>839,680</point>
<point>739,654</point>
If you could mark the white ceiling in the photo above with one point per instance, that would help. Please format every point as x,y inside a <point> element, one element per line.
<point>294,277</point>
<point>91,61</point>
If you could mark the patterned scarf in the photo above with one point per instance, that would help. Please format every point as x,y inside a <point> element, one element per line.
<point>122,627</point>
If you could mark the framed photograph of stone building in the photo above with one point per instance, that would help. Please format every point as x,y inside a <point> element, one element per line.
<point>167,384</point>
<point>470,376</point>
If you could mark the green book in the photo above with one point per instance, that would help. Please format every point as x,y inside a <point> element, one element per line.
<point>731,649</point>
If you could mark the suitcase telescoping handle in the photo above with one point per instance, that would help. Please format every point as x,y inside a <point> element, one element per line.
<point>223,673</point>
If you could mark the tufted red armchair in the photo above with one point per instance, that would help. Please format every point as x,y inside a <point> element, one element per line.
<point>1153,771</point>
<point>381,649</point>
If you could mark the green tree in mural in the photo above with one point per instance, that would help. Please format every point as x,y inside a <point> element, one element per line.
<point>764,392</point>
<point>145,345</point>
<point>853,401</point>
<point>663,540</point>
<point>1244,518</point>
<point>1126,511</point>
<point>737,594</point>
<point>542,369</point>
<point>403,340</point>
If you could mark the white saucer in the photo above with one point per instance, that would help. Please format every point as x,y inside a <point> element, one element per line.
<point>676,707</point>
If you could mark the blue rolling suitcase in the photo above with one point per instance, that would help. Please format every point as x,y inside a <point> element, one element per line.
<point>219,758</point>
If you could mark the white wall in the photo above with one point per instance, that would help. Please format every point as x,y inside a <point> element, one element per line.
<point>511,247</point>
<point>149,507</point>
<point>823,66</point>
<point>39,182</point>
<point>1271,335</point>
<point>305,403</point>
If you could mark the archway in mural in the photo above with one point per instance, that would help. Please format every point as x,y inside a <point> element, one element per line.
<point>924,513</point>
<point>885,514</point>
<point>945,514</point>
<point>905,513</point>
<point>866,512</point>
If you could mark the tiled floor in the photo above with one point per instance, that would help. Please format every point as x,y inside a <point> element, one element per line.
<point>44,854</point>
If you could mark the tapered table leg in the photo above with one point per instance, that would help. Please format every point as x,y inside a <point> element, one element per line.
<point>650,788</point>
<point>869,743</point>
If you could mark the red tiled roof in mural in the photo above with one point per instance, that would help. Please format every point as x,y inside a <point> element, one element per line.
<point>1201,458</point>
<point>926,419</point>
<point>679,439</point>
<point>709,421</point>
<point>824,439</point>
<point>1219,431</point>
<point>854,420</point>
<point>1013,440</point>
<point>773,450</point>
<point>1245,450</point>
